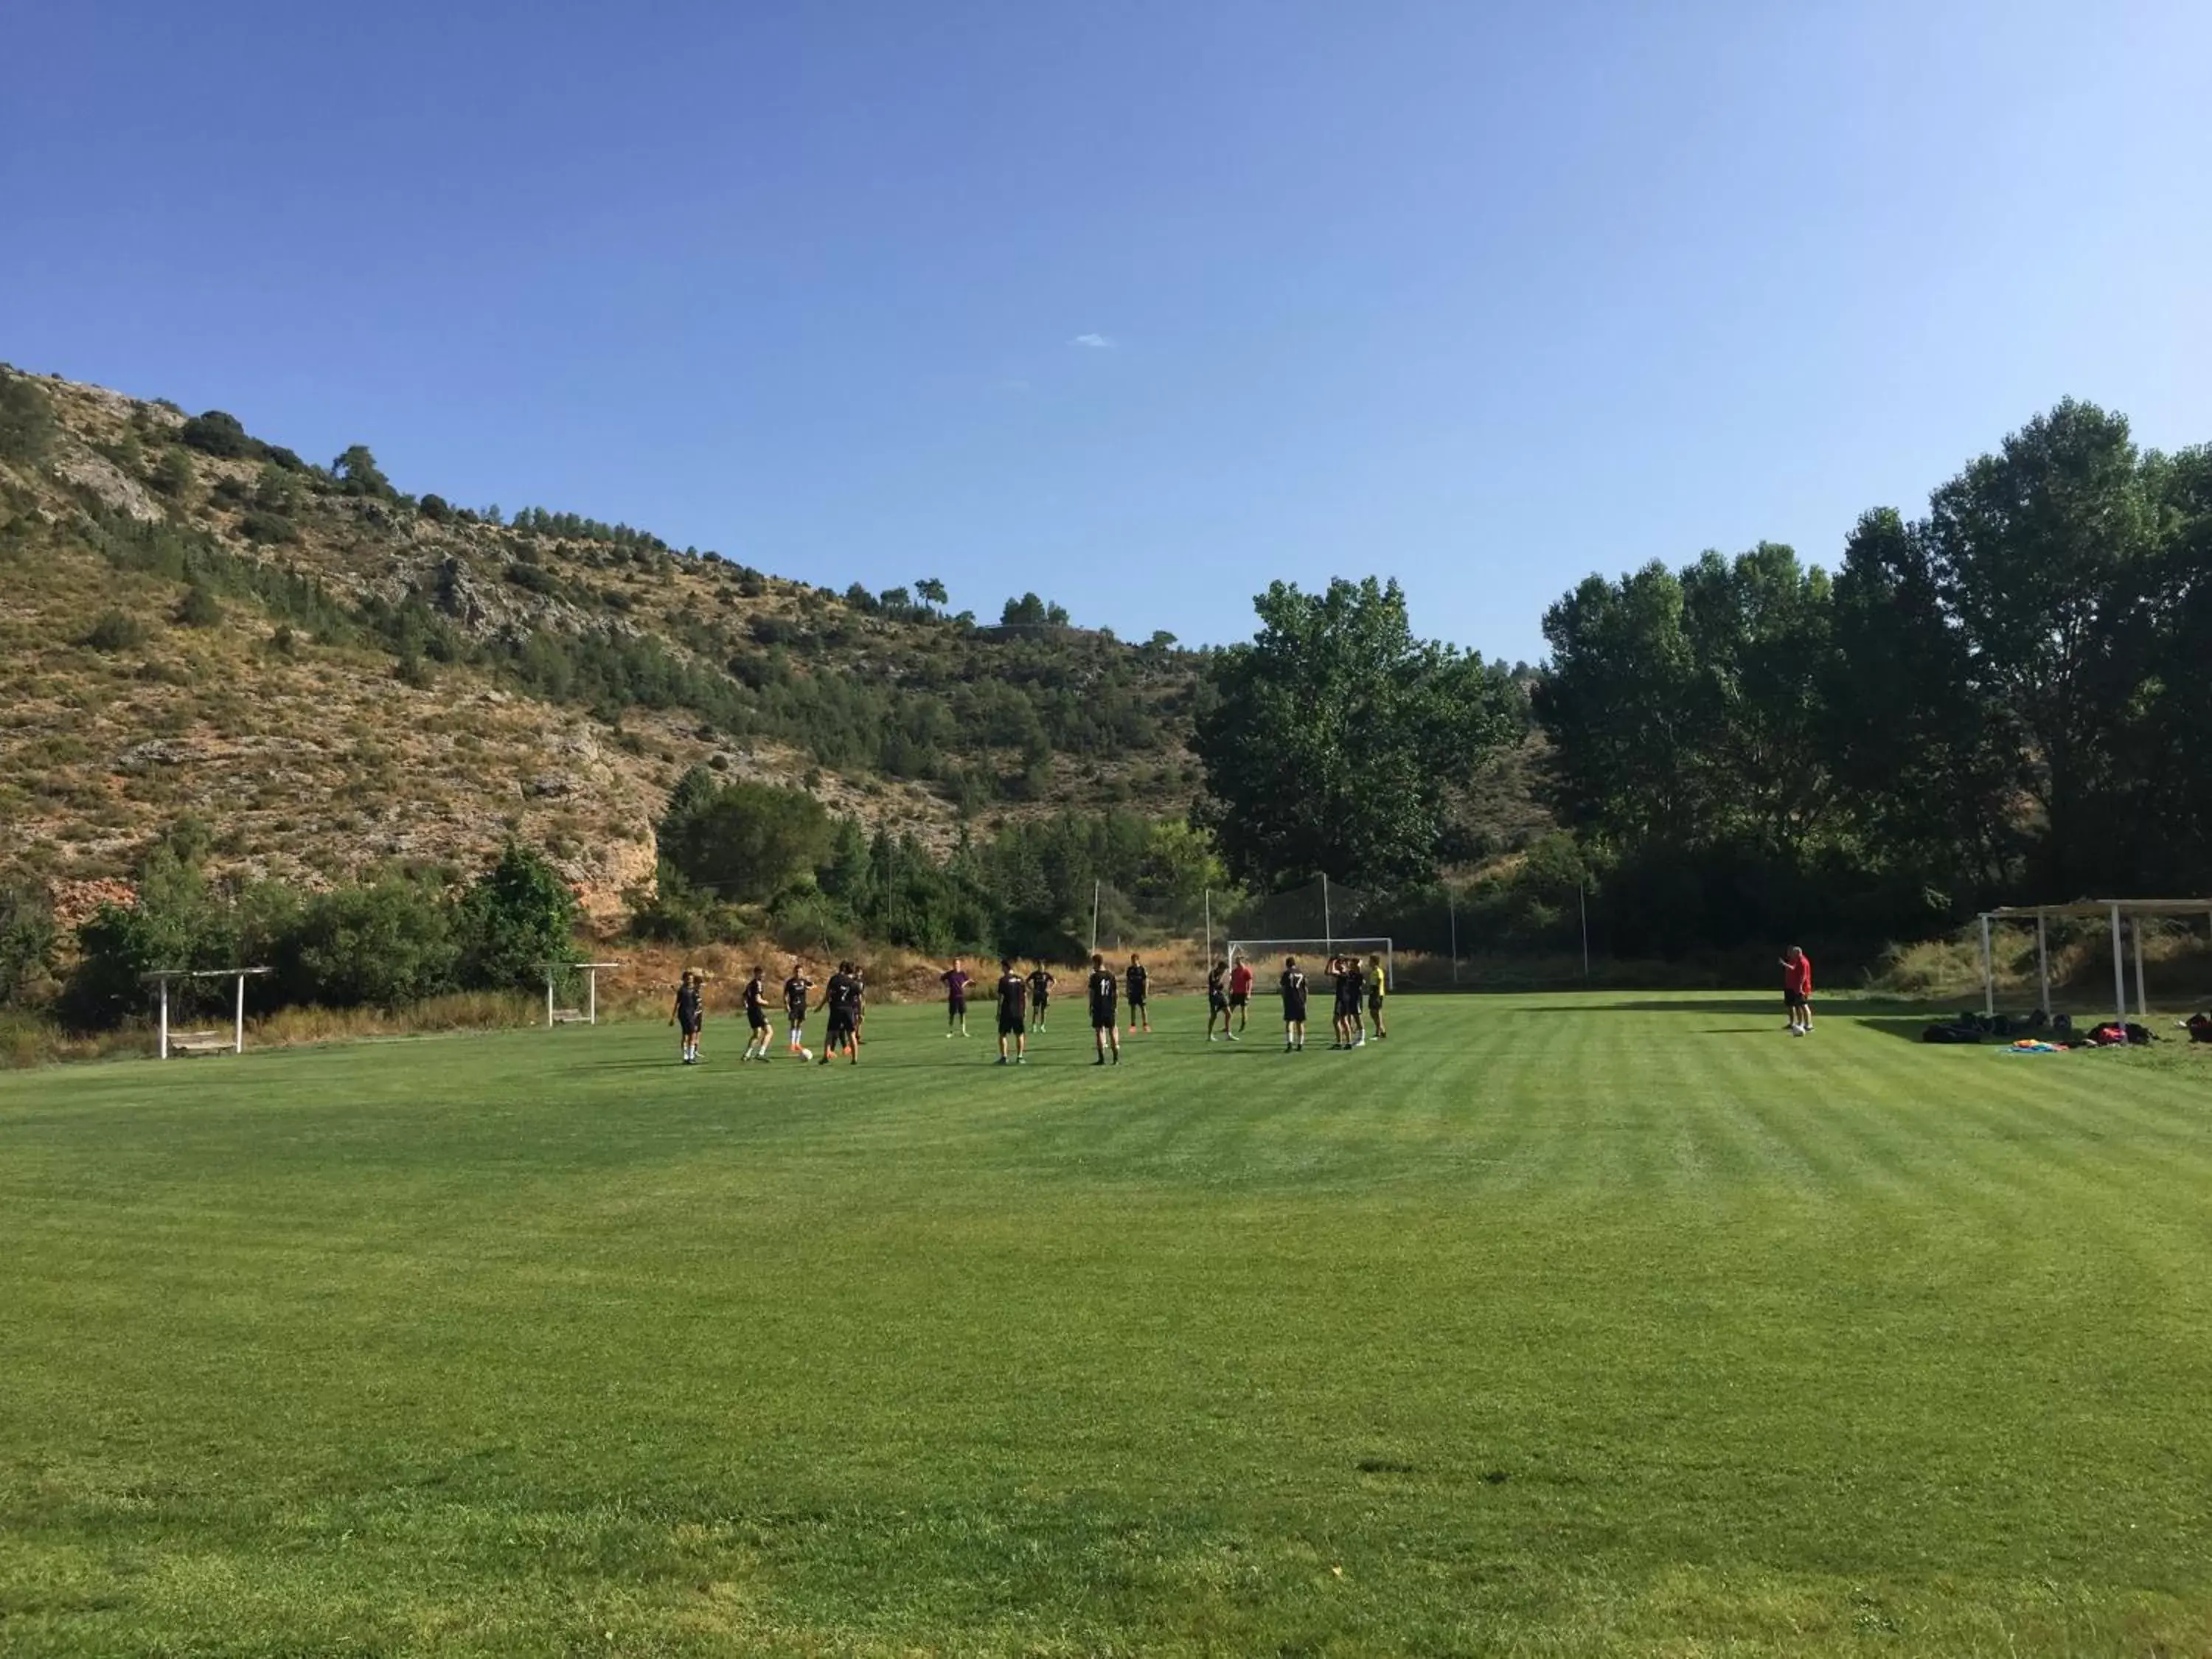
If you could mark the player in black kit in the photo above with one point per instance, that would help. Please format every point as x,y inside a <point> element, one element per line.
<point>841,998</point>
<point>1105,1032</point>
<point>795,1005</point>
<point>1014,1002</point>
<point>1040,993</point>
<point>1294,1005</point>
<point>689,1016</point>
<point>756,1019</point>
<point>1136,978</point>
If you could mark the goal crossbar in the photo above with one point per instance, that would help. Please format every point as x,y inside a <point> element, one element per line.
<point>1316,951</point>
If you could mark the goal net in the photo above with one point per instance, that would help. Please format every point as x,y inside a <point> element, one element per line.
<point>1265,958</point>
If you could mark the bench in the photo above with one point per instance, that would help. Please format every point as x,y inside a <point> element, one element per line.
<point>568,1017</point>
<point>200,1042</point>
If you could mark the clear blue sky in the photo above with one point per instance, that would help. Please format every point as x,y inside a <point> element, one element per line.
<point>1139,304</point>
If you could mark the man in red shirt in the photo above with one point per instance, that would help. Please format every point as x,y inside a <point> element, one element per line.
<point>1240,992</point>
<point>1797,990</point>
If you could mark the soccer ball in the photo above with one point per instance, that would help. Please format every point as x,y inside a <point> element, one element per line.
<point>807,1054</point>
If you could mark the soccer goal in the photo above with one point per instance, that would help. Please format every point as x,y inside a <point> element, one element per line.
<point>1313,954</point>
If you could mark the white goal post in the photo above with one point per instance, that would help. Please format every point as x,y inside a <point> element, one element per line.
<point>1313,954</point>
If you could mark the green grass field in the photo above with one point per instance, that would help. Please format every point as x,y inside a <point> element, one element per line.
<point>1554,1325</point>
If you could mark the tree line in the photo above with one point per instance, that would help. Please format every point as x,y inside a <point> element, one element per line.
<point>395,937</point>
<point>736,854</point>
<point>2008,697</point>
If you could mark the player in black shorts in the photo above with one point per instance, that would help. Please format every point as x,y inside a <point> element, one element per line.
<point>839,997</point>
<point>1350,1032</point>
<point>1216,1001</point>
<point>1294,1005</point>
<point>1013,1006</point>
<point>1105,1031</point>
<point>955,981</point>
<point>757,1018</point>
<point>1040,993</point>
<point>1135,979</point>
<point>689,1016</point>
<point>795,1005</point>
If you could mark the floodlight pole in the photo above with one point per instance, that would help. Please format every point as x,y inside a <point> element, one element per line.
<point>2043,963</point>
<point>592,993</point>
<point>2142,1006</point>
<point>237,1018</point>
<point>549,999</point>
<point>165,1016</point>
<point>1327,927</point>
<point>1094,918</point>
<point>2120,969</point>
<point>1990,974</point>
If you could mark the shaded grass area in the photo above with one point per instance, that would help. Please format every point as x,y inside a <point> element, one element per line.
<point>1649,1330</point>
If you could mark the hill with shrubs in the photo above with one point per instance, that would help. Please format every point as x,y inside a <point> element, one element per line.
<point>333,676</point>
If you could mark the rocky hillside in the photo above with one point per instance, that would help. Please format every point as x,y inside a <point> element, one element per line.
<point>328,673</point>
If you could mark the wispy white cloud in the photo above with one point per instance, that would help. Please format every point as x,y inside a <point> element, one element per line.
<point>1093,342</point>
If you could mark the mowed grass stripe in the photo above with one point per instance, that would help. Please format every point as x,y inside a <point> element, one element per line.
<point>1555,1325</point>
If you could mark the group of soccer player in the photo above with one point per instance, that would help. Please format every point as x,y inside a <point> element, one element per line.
<point>1357,985</point>
<point>1023,1000</point>
<point>844,1001</point>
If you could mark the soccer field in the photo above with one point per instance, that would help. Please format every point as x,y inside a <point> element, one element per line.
<point>1555,1324</point>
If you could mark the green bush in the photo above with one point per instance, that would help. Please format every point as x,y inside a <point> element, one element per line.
<point>742,842</point>
<point>26,419</point>
<point>176,924</point>
<point>514,919</point>
<point>114,631</point>
<point>384,943</point>
<point>216,433</point>
<point>199,608</point>
<point>268,528</point>
<point>172,474</point>
<point>26,942</point>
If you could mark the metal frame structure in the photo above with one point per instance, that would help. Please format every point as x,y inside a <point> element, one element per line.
<point>2132,910</point>
<point>161,977</point>
<point>590,970</point>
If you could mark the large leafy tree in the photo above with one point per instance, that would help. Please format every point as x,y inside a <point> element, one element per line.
<point>1332,742</point>
<point>1620,704</point>
<point>2045,555</point>
<point>515,918</point>
<point>742,842</point>
<point>1922,770</point>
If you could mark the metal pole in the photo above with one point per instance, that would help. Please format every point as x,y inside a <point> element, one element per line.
<point>1451,910</point>
<point>2142,1007</point>
<point>2043,963</point>
<point>549,999</point>
<point>1327,927</point>
<point>238,1020</point>
<point>1583,905</point>
<point>165,1016</point>
<point>2120,969</point>
<point>1094,918</point>
<point>1209,930</point>
<point>1989,972</point>
<point>592,1016</point>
